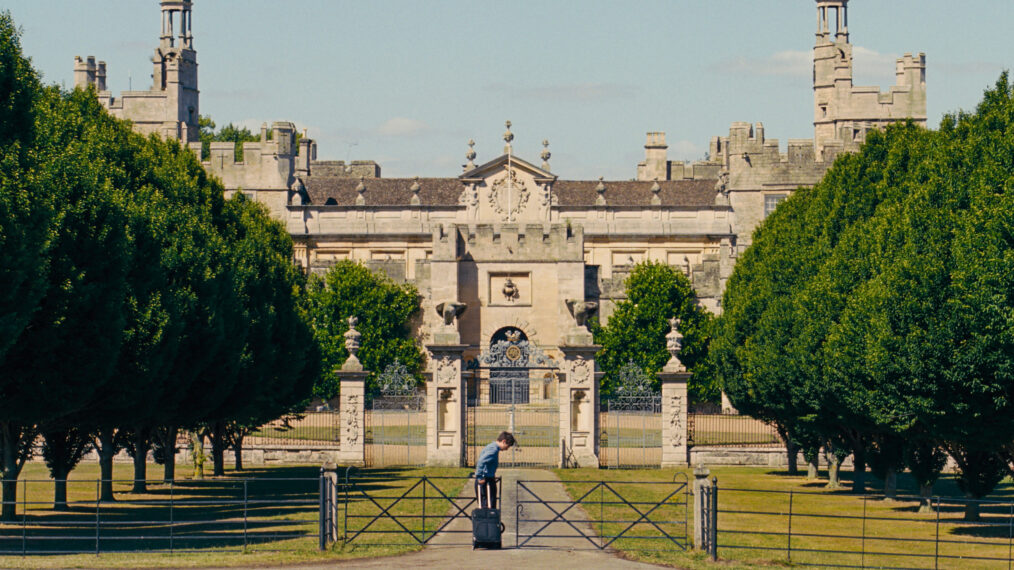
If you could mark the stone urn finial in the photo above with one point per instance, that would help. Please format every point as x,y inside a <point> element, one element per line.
<point>545,154</point>
<point>674,344</point>
<point>508,137</point>
<point>352,337</point>
<point>470,155</point>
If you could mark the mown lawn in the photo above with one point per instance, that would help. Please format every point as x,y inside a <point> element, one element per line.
<point>212,525</point>
<point>754,521</point>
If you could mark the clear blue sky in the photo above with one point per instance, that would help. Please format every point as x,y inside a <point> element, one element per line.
<point>407,83</point>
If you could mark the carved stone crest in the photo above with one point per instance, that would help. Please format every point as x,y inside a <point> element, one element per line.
<point>509,194</point>
<point>580,372</point>
<point>446,371</point>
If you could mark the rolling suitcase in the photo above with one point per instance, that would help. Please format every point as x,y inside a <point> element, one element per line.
<point>487,530</point>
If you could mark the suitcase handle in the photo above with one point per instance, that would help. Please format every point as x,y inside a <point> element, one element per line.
<point>489,494</point>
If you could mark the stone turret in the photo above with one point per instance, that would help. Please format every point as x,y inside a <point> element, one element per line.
<point>170,108</point>
<point>843,113</point>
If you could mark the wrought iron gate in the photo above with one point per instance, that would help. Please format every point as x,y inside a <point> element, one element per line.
<point>396,420</point>
<point>632,424</point>
<point>639,515</point>
<point>514,387</point>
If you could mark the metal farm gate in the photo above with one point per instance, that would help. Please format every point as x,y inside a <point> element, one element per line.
<point>632,422</point>
<point>396,420</point>
<point>514,387</point>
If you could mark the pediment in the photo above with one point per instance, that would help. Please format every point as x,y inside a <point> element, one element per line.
<point>499,164</point>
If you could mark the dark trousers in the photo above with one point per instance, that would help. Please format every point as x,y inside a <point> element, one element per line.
<point>480,492</point>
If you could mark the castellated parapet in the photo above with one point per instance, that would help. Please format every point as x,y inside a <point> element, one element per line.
<point>529,243</point>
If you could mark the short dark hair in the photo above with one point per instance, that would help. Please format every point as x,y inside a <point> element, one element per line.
<point>506,437</point>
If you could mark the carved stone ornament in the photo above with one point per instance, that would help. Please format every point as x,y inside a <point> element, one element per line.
<point>676,420</point>
<point>351,420</point>
<point>674,344</point>
<point>722,185</point>
<point>580,372</point>
<point>450,310</point>
<point>469,196</point>
<point>510,291</point>
<point>581,310</point>
<point>352,337</point>
<point>446,371</point>
<point>509,194</point>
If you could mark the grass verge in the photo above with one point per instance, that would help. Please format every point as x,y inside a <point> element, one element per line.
<point>829,527</point>
<point>211,524</point>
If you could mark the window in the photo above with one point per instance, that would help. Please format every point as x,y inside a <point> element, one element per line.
<point>771,201</point>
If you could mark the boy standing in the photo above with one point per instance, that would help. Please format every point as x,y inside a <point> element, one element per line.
<point>485,467</point>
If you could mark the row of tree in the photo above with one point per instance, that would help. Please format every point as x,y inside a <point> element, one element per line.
<point>136,299</point>
<point>873,314</point>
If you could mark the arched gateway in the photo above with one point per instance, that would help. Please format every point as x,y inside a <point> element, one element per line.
<point>514,386</point>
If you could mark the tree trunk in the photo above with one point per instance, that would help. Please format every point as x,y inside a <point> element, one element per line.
<point>926,501</point>
<point>15,453</point>
<point>141,444</point>
<point>792,454</point>
<point>812,470</point>
<point>859,470</point>
<point>198,454</point>
<point>832,472</point>
<point>237,448</point>
<point>169,448</point>
<point>218,449</point>
<point>60,494</point>
<point>107,449</point>
<point>891,483</point>
<point>971,509</point>
<point>10,500</point>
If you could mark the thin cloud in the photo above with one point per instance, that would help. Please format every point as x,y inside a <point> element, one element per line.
<point>402,127</point>
<point>866,63</point>
<point>567,92</point>
<point>789,63</point>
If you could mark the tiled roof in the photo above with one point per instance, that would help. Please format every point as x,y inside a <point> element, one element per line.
<point>383,191</point>
<point>685,193</point>
<point>569,193</point>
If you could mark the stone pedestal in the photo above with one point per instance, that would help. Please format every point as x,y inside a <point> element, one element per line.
<point>579,407</point>
<point>700,528</point>
<point>445,407</point>
<point>352,409</point>
<point>675,404</point>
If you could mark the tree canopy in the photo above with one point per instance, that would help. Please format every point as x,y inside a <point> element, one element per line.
<point>385,310</point>
<point>135,298</point>
<point>656,292</point>
<point>876,306</point>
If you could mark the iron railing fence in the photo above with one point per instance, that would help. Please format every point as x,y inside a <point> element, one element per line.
<point>389,510</point>
<point>396,430</point>
<point>311,429</point>
<point>207,515</point>
<point>730,429</point>
<point>631,432</point>
<point>628,515</point>
<point>800,528</point>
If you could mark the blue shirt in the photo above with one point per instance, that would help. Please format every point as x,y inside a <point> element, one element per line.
<point>488,461</point>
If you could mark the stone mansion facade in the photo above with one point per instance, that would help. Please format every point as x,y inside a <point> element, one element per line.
<point>509,244</point>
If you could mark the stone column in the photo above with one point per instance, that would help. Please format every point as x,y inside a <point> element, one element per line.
<point>352,402</point>
<point>579,407</point>
<point>445,407</point>
<point>445,392</point>
<point>675,403</point>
